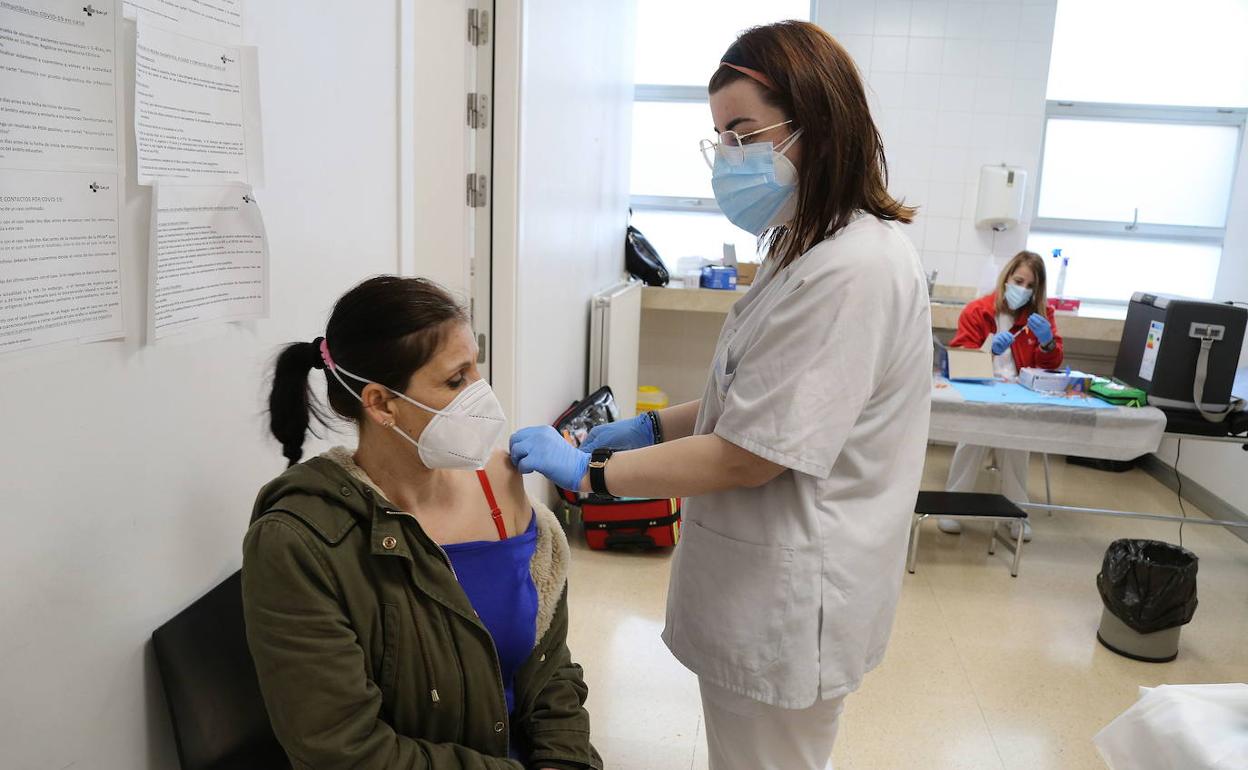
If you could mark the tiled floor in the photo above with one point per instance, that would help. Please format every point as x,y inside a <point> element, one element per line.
<point>983,671</point>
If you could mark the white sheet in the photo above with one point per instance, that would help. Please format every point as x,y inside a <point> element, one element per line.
<point>1109,434</point>
<point>209,258</point>
<point>1180,727</point>
<point>196,110</point>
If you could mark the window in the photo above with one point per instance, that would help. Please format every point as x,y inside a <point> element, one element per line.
<point>678,46</point>
<point>1140,150</point>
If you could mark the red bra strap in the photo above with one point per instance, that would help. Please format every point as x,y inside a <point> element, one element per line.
<point>495,512</point>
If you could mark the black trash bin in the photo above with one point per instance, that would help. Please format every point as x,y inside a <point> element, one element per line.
<point>1149,590</point>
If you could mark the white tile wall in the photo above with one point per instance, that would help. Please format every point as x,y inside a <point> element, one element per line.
<point>954,85</point>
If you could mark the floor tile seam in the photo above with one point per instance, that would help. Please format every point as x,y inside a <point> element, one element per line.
<point>966,674</point>
<point>697,736</point>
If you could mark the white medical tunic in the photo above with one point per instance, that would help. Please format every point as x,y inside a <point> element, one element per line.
<point>786,593</point>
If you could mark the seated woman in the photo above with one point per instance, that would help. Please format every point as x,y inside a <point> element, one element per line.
<point>406,603</point>
<point>1021,331</point>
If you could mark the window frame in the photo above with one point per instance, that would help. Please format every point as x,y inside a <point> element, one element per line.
<point>1134,113</point>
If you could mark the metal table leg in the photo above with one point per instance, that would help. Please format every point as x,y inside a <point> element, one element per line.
<point>914,541</point>
<point>1018,547</point>
<point>1048,489</point>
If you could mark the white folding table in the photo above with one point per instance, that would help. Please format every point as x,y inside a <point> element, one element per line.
<point>1120,433</point>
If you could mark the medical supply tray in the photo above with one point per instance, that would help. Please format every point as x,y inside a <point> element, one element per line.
<point>615,522</point>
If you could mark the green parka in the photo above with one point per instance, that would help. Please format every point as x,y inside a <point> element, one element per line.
<point>370,655</point>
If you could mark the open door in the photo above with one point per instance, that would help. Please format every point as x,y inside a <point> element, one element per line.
<point>446,151</point>
<point>479,197</point>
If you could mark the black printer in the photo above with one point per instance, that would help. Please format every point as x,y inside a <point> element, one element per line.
<point>1182,352</point>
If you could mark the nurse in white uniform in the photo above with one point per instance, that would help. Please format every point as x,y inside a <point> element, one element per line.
<point>802,460</point>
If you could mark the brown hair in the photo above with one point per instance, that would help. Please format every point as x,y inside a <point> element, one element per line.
<point>1039,297</point>
<point>842,167</point>
<point>383,329</point>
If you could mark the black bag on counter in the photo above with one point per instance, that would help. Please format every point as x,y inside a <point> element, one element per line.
<point>642,261</point>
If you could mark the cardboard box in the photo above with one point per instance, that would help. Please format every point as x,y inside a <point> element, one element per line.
<point>965,364</point>
<point>746,272</point>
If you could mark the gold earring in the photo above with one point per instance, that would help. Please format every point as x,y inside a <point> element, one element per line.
<point>387,424</point>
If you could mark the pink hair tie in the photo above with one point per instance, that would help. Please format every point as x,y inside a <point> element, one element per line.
<point>325,356</point>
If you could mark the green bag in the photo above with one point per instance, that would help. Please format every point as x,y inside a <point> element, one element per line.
<point>1118,393</point>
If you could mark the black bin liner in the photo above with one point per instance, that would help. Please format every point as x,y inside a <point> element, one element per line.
<point>1148,584</point>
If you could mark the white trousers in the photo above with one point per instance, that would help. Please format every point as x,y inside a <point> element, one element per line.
<point>968,459</point>
<point>745,734</point>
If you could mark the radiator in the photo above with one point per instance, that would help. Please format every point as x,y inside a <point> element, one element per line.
<point>614,330</point>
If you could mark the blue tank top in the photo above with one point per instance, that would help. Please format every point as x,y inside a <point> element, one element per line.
<point>495,575</point>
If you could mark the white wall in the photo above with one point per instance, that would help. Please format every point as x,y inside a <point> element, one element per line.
<point>575,114</point>
<point>956,85</point>
<point>128,472</point>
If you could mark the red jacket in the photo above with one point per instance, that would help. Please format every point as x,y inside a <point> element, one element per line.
<point>978,322</point>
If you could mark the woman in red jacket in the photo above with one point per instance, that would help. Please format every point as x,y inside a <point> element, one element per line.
<point>1011,322</point>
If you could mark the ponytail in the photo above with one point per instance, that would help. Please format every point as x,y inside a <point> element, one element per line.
<point>292,404</point>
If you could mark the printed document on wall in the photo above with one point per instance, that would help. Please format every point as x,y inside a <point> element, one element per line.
<point>58,84</point>
<point>220,21</point>
<point>59,266</point>
<point>209,257</point>
<point>196,110</point>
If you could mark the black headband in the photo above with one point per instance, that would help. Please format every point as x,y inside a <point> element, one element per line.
<point>735,58</point>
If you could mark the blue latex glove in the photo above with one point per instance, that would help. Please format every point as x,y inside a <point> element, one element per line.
<point>625,434</point>
<point>1041,327</point>
<point>1001,343</point>
<point>543,450</point>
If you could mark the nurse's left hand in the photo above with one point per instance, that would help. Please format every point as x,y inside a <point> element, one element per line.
<point>541,449</point>
<point>1041,327</point>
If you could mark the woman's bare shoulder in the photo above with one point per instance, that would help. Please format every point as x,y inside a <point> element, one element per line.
<point>508,486</point>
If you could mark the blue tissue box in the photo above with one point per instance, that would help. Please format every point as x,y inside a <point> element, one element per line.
<point>715,277</point>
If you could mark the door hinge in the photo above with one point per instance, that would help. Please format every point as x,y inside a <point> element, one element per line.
<point>478,111</point>
<point>483,345</point>
<point>478,191</point>
<point>478,27</point>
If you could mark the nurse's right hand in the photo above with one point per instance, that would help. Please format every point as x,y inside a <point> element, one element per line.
<point>1001,343</point>
<point>623,435</point>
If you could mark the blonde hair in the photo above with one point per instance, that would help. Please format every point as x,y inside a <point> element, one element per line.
<point>1039,296</point>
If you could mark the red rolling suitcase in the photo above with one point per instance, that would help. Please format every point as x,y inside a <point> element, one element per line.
<point>616,522</point>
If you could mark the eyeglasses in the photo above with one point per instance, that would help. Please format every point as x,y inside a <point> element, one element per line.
<point>729,145</point>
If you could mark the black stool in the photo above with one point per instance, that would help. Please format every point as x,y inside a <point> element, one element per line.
<point>970,505</point>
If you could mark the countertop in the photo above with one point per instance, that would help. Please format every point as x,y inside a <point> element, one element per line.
<point>1095,323</point>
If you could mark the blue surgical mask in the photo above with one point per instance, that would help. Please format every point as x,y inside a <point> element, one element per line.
<point>759,190</point>
<point>1016,296</point>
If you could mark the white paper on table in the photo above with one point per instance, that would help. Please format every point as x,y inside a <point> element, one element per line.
<point>59,100</point>
<point>196,110</point>
<point>220,21</point>
<point>59,260</point>
<point>209,257</point>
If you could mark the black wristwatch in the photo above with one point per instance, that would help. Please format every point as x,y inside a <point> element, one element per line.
<point>656,426</point>
<point>598,471</point>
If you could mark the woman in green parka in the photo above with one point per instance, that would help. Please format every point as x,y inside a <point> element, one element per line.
<point>406,603</point>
